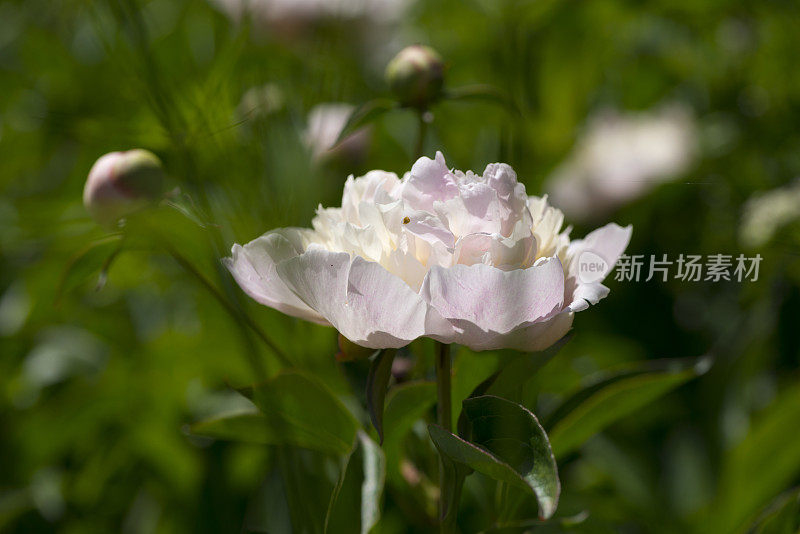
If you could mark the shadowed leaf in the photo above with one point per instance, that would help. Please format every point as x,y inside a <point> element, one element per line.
<point>599,404</point>
<point>507,444</point>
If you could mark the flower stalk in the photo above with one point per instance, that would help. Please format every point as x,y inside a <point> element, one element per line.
<point>444,412</point>
<point>421,131</point>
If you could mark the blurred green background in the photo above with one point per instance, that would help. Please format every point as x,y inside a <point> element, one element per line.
<point>97,387</point>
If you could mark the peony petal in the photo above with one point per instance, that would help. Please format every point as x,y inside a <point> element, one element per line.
<point>362,300</point>
<point>253,268</point>
<point>608,242</point>
<point>585,294</point>
<point>481,300</point>
<point>495,250</point>
<point>546,226</point>
<point>429,180</point>
<point>365,189</point>
<point>476,210</point>
<point>527,338</point>
<point>428,227</point>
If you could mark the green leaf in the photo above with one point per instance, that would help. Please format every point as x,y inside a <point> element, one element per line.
<point>358,492</point>
<point>407,403</point>
<point>601,403</point>
<point>269,509</point>
<point>299,410</point>
<point>507,444</point>
<point>380,371</point>
<point>513,375</point>
<point>248,427</point>
<point>365,114</point>
<point>529,525</point>
<point>482,92</point>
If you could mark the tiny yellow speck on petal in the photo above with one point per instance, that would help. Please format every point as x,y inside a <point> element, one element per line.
<point>406,220</point>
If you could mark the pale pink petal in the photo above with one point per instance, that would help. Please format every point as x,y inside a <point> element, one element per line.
<point>495,250</point>
<point>253,268</point>
<point>429,181</point>
<point>585,294</point>
<point>475,210</point>
<point>528,338</point>
<point>362,300</point>
<point>608,242</point>
<point>482,301</point>
<point>365,189</point>
<point>503,180</point>
<point>428,227</point>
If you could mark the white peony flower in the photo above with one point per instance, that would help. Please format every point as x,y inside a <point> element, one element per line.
<point>621,157</point>
<point>458,257</point>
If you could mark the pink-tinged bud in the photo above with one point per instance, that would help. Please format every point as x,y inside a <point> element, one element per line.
<point>121,183</point>
<point>416,76</point>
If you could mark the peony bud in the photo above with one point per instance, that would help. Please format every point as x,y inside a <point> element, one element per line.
<point>121,183</point>
<point>416,76</point>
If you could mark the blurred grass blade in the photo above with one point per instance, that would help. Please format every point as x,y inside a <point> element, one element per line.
<point>782,516</point>
<point>507,444</point>
<point>380,371</point>
<point>365,114</point>
<point>599,404</point>
<point>359,490</point>
<point>483,92</point>
<point>94,257</point>
<point>763,464</point>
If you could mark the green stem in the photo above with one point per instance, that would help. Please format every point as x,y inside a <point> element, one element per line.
<point>421,130</point>
<point>445,420</point>
<point>237,314</point>
<point>444,386</point>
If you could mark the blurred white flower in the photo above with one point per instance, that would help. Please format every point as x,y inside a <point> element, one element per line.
<point>121,183</point>
<point>767,212</point>
<point>455,256</point>
<point>260,102</point>
<point>621,157</point>
<point>276,13</point>
<point>325,123</point>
